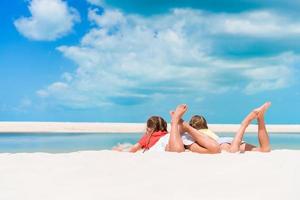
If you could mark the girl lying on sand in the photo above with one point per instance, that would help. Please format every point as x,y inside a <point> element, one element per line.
<point>156,128</point>
<point>196,137</point>
<point>226,144</point>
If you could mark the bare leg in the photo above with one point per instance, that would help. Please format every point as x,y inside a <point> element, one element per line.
<point>236,142</point>
<point>247,147</point>
<point>262,132</point>
<point>175,142</point>
<point>196,148</point>
<point>204,144</point>
<point>263,137</point>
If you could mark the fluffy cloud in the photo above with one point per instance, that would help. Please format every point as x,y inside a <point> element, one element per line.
<point>260,23</point>
<point>50,19</point>
<point>131,59</point>
<point>277,73</point>
<point>96,2</point>
<point>108,19</point>
<point>255,23</point>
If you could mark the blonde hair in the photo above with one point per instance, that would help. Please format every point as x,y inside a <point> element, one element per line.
<point>198,122</point>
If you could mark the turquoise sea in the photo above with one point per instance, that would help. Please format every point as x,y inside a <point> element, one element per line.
<point>70,142</point>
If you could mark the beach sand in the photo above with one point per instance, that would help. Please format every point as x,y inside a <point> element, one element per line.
<point>94,175</point>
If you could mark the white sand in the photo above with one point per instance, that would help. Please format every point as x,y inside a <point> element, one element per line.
<point>110,175</point>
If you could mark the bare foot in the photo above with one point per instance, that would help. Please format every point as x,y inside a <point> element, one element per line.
<point>172,113</point>
<point>257,113</point>
<point>179,112</point>
<point>260,111</point>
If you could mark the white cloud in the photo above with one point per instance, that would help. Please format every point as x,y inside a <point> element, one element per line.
<point>96,2</point>
<point>109,18</point>
<point>260,23</point>
<point>42,93</point>
<point>134,58</point>
<point>49,20</point>
<point>67,77</point>
<point>275,75</point>
<point>255,23</point>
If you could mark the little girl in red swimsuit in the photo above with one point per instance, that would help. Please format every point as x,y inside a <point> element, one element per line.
<point>156,128</point>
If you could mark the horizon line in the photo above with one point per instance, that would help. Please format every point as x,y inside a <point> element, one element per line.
<point>120,127</point>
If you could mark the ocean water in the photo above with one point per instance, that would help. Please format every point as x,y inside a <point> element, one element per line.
<point>71,142</point>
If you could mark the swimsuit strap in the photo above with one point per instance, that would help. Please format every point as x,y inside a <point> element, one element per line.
<point>147,144</point>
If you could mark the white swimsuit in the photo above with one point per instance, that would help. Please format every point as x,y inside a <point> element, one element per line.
<point>164,141</point>
<point>186,139</point>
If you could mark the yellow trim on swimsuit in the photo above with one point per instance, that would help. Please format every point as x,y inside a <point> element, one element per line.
<point>209,133</point>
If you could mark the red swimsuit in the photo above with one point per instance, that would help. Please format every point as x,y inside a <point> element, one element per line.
<point>153,139</point>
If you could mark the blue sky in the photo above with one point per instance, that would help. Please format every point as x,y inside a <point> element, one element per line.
<point>123,61</point>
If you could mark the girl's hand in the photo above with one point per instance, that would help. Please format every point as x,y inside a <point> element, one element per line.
<point>122,147</point>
